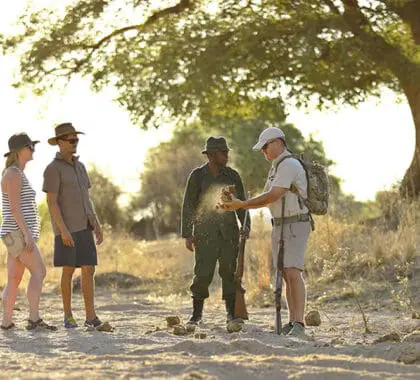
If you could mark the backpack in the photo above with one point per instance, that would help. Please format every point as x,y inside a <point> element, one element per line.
<point>318,185</point>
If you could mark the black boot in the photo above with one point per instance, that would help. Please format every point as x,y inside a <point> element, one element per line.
<point>197,313</point>
<point>230,308</point>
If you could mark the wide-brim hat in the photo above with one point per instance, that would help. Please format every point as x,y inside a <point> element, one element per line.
<point>63,130</point>
<point>19,141</point>
<point>216,144</point>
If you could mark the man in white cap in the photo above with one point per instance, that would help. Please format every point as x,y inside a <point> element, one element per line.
<point>286,180</point>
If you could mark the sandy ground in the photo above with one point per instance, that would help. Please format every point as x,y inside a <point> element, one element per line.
<point>336,349</point>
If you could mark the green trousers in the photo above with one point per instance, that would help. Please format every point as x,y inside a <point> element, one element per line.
<point>210,249</point>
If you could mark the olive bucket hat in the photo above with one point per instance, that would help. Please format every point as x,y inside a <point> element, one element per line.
<point>216,144</point>
<point>19,141</point>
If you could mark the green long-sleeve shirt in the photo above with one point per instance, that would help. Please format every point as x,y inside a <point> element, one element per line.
<point>202,193</point>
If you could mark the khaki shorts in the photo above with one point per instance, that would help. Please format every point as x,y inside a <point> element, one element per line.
<point>15,242</point>
<point>295,236</point>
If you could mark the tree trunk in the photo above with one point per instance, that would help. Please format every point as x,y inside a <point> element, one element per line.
<point>411,181</point>
<point>156,223</point>
<point>410,188</point>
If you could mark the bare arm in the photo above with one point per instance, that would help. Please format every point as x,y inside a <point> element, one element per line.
<point>92,216</point>
<point>97,229</point>
<point>58,219</point>
<point>259,201</point>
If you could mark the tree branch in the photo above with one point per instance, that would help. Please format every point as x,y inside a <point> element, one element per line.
<point>409,13</point>
<point>404,69</point>
<point>176,9</point>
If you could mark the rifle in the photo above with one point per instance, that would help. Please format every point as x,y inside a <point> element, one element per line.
<point>240,305</point>
<point>279,275</point>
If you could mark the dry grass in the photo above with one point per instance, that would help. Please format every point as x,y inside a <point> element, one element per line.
<point>339,252</point>
<point>165,263</point>
<point>352,255</point>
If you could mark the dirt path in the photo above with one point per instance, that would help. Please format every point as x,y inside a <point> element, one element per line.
<point>337,348</point>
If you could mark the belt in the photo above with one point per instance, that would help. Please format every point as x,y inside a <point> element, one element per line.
<point>290,219</point>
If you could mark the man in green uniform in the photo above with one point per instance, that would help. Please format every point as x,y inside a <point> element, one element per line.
<point>212,233</point>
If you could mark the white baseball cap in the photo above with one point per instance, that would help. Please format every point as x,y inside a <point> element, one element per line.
<point>268,134</point>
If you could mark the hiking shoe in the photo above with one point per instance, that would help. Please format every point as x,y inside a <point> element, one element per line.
<point>95,322</point>
<point>70,322</point>
<point>286,328</point>
<point>39,325</point>
<point>297,331</point>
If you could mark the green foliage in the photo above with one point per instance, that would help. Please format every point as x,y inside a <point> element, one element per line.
<point>168,165</point>
<point>104,195</point>
<point>44,217</point>
<point>242,136</point>
<point>165,173</point>
<point>190,55</point>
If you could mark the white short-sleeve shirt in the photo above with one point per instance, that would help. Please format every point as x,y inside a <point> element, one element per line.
<point>289,172</point>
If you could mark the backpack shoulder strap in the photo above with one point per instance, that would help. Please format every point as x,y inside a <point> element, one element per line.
<point>293,188</point>
<point>284,158</point>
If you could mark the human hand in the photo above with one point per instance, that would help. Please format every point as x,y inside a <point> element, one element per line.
<point>232,205</point>
<point>67,238</point>
<point>189,243</point>
<point>29,241</point>
<point>244,232</point>
<point>99,235</point>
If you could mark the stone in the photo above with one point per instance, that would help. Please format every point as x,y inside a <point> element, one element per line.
<point>392,337</point>
<point>410,354</point>
<point>200,336</point>
<point>413,337</point>
<point>313,318</point>
<point>191,327</point>
<point>180,330</point>
<point>173,320</point>
<point>106,327</point>
<point>234,326</point>
<point>337,341</point>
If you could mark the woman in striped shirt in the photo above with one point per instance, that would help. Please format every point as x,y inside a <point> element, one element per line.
<point>20,231</point>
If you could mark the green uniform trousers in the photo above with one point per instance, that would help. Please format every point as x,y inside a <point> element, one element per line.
<point>210,248</point>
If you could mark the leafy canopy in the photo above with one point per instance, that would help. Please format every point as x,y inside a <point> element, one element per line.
<point>176,58</point>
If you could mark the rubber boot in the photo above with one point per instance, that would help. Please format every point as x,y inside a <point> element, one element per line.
<point>197,313</point>
<point>230,309</point>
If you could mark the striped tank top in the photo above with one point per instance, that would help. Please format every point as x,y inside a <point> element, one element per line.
<point>28,208</point>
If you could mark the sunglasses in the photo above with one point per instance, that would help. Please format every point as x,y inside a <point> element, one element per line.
<point>31,147</point>
<point>265,146</point>
<point>71,141</point>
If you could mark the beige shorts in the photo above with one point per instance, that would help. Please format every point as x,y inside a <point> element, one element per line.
<point>15,242</point>
<point>295,236</point>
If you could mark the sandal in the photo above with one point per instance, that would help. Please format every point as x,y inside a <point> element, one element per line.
<point>8,327</point>
<point>39,324</point>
